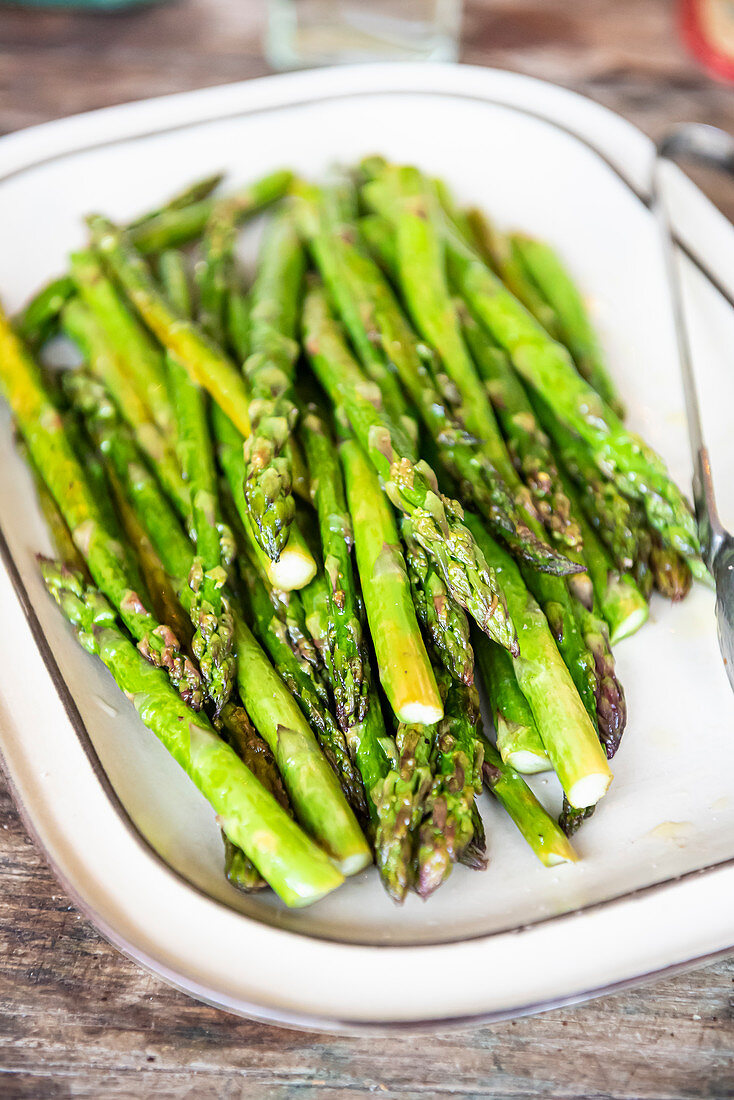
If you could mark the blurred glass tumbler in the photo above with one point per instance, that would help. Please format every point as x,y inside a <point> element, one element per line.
<point>302,33</point>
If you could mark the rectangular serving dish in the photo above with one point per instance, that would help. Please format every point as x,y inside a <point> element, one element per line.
<point>128,835</point>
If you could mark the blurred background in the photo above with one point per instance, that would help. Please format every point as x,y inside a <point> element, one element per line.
<point>654,61</point>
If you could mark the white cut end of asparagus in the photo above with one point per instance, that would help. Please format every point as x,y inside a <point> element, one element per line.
<point>527,762</point>
<point>420,714</point>
<point>352,865</point>
<point>587,791</point>
<point>630,625</point>
<point>292,571</point>
<point>554,859</point>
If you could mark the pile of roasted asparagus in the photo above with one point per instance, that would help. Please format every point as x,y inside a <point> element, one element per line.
<point>289,516</point>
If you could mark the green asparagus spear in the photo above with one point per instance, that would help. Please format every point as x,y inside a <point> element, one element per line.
<point>568,734</point>
<point>405,670</point>
<point>205,361</point>
<point>518,740</point>
<point>444,623</point>
<point>239,731</point>
<point>193,193</point>
<point>141,360</point>
<point>411,486</point>
<point>346,643</point>
<point>296,565</point>
<point>239,868</point>
<point>546,366</point>
<point>574,329</point>
<point>312,785</point>
<point>269,369</point>
<point>216,272</point>
<point>535,823</point>
<point>79,323</point>
<point>249,815</point>
<point>177,227</point>
<point>37,320</point>
<point>60,534</point>
<point>43,430</point>
<point>670,571</point>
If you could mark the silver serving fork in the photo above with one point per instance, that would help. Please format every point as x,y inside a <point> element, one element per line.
<point>713,148</point>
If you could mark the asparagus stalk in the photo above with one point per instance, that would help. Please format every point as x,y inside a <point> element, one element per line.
<point>172,228</point>
<point>61,539</point>
<point>79,323</point>
<point>140,358</point>
<point>241,872</point>
<point>444,623</point>
<point>527,444</point>
<point>312,785</point>
<point>38,318</point>
<point>346,642</point>
<point>43,430</point>
<point>215,274</point>
<point>249,815</point>
<point>568,734</point>
<point>534,822</point>
<point>239,731</point>
<point>295,566</point>
<point>210,612</point>
<point>518,739</point>
<point>270,367</point>
<point>546,366</point>
<point>574,329</point>
<point>411,486</point>
<point>405,670</point>
<point>193,193</point>
<point>205,361</point>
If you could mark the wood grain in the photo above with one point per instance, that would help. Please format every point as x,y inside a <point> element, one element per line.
<point>76,1017</point>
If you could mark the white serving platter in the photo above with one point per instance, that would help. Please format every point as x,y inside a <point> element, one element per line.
<point>128,836</point>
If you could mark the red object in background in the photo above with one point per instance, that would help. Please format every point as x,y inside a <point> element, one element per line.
<point>707,27</point>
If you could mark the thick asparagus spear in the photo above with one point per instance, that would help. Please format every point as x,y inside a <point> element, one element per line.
<point>443,622</point>
<point>528,446</point>
<point>79,323</point>
<point>346,642</point>
<point>43,431</point>
<point>312,785</point>
<point>574,329</point>
<point>214,636</point>
<point>141,359</point>
<point>518,740</point>
<point>275,299</point>
<point>295,566</point>
<point>534,822</point>
<point>411,486</point>
<point>174,228</point>
<point>568,734</point>
<point>249,815</point>
<point>405,670</point>
<point>547,367</point>
<point>205,361</point>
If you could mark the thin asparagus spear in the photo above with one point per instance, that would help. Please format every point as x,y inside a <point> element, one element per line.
<point>568,734</point>
<point>312,785</point>
<point>574,329</point>
<point>528,446</point>
<point>216,272</point>
<point>275,298</point>
<point>214,635</point>
<point>79,323</point>
<point>193,193</point>
<point>405,670</point>
<point>407,200</point>
<point>611,707</point>
<point>547,367</point>
<point>314,703</point>
<point>35,323</point>
<point>372,750</point>
<point>534,822</point>
<point>141,359</point>
<point>252,819</point>
<point>444,623</point>
<point>346,643</point>
<point>239,868</point>
<point>205,361</point>
<point>369,308</point>
<point>254,752</point>
<point>518,740</point>
<point>43,431</point>
<point>411,486</point>
<point>475,853</point>
<point>174,228</point>
<point>61,539</point>
<point>296,565</point>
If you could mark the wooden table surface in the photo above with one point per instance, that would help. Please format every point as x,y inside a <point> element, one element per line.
<point>79,1019</point>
